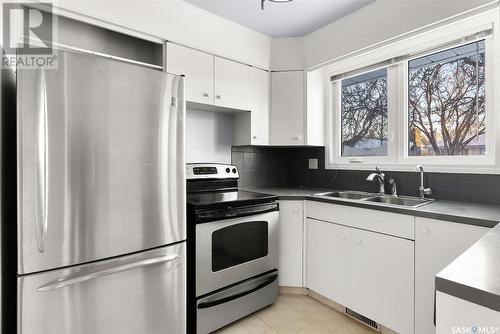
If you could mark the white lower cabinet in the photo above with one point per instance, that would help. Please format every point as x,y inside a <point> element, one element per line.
<point>368,272</point>
<point>382,279</point>
<point>329,259</point>
<point>291,243</point>
<point>455,315</point>
<point>437,244</point>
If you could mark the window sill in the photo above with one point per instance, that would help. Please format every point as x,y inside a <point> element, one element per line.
<point>410,167</point>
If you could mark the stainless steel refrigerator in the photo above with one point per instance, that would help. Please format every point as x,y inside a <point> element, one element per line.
<point>100,215</point>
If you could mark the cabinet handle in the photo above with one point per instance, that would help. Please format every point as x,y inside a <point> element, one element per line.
<point>206,95</point>
<point>296,209</point>
<point>218,97</point>
<point>426,231</point>
<point>358,240</point>
<point>254,137</point>
<point>343,237</point>
<point>297,138</point>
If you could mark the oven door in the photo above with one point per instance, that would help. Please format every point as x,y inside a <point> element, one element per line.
<point>231,250</point>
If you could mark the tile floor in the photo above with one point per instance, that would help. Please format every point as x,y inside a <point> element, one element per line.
<point>296,314</point>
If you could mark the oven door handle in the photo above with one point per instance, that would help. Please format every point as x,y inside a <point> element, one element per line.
<point>223,300</point>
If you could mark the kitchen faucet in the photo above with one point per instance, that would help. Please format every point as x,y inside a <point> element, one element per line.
<point>380,177</point>
<point>422,190</point>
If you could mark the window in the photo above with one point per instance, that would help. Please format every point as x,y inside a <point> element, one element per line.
<point>446,102</point>
<point>364,114</point>
<point>427,99</point>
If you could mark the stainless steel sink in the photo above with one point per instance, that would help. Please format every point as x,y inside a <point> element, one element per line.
<point>347,194</point>
<point>352,195</point>
<point>413,202</point>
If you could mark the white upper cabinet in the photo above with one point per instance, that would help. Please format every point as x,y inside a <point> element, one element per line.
<point>198,67</point>
<point>259,106</point>
<point>287,108</point>
<point>213,82</point>
<point>233,84</point>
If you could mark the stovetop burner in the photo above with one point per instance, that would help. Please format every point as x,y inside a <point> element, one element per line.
<point>215,186</point>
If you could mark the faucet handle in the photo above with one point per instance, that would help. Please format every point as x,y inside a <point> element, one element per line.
<point>394,189</point>
<point>427,191</point>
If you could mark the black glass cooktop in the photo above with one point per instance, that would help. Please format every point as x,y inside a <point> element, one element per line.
<point>228,198</point>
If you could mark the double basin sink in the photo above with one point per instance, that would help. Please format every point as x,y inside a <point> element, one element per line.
<point>406,201</point>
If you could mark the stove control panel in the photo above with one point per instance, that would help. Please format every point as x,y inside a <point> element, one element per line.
<point>211,171</point>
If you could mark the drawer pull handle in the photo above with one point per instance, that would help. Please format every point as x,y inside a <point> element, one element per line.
<point>212,303</point>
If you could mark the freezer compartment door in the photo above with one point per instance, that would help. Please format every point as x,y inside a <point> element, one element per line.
<point>100,161</point>
<point>141,293</point>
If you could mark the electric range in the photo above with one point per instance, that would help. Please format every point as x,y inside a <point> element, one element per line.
<point>232,248</point>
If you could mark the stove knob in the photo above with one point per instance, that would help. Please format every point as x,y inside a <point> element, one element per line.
<point>227,170</point>
<point>234,170</point>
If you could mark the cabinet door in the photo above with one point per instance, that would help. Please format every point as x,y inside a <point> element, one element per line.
<point>259,100</point>
<point>291,228</point>
<point>383,279</point>
<point>287,108</point>
<point>252,128</point>
<point>329,260</point>
<point>198,67</point>
<point>437,244</point>
<point>232,84</point>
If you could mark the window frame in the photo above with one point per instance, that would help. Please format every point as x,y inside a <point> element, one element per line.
<point>398,159</point>
<point>391,107</point>
<point>486,159</point>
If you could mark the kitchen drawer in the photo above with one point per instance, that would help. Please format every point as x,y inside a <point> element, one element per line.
<point>395,224</point>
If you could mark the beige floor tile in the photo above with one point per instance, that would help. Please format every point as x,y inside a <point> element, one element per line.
<point>353,327</point>
<point>296,314</point>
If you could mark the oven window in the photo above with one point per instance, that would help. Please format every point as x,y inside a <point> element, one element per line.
<point>238,244</point>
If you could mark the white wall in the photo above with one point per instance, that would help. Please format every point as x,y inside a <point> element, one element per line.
<point>287,54</point>
<point>209,136</point>
<point>377,22</point>
<point>182,23</point>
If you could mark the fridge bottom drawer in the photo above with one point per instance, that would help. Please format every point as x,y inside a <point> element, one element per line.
<point>139,293</point>
<point>224,307</point>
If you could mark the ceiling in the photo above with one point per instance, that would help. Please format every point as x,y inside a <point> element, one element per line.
<point>289,19</point>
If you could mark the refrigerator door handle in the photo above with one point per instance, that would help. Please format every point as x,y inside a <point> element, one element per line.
<point>41,147</point>
<point>80,278</point>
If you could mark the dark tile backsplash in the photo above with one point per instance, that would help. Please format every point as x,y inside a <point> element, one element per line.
<point>260,166</point>
<point>267,167</point>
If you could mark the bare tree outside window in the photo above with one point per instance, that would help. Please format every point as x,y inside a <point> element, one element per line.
<point>364,114</point>
<point>446,102</point>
